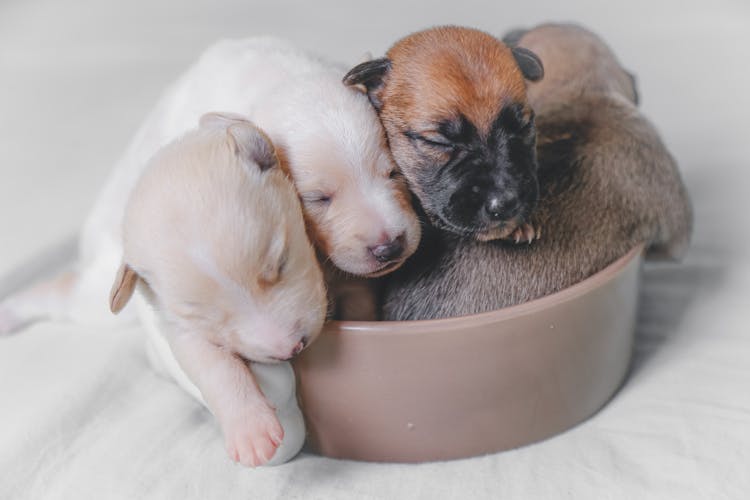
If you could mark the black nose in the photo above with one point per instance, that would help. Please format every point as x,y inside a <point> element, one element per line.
<point>389,251</point>
<point>501,207</point>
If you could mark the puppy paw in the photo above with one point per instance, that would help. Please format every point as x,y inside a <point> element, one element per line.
<point>525,233</point>
<point>253,437</point>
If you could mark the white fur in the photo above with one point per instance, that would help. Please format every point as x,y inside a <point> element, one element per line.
<point>221,248</point>
<point>328,135</point>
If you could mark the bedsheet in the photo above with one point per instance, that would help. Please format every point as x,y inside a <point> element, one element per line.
<point>84,416</point>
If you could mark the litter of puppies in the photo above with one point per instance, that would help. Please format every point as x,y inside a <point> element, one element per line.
<point>457,174</point>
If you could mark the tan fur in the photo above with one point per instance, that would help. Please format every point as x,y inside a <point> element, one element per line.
<point>123,288</point>
<point>450,99</point>
<point>456,70</point>
<point>568,55</point>
<point>607,184</point>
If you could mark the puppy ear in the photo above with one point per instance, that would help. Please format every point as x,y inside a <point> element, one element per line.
<point>122,288</point>
<point>368,77</point>
<point>252,145</point>
<point>512,37</point>
<point>529,63</point>
<point>634,88</point>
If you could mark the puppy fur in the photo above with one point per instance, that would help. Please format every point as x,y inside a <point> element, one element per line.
<point>453,103</point>
<point>213,232</point>
<point>328,139</point>
<point>607,184</point>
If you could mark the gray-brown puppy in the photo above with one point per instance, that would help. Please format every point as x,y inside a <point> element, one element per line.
<point>607,183</point>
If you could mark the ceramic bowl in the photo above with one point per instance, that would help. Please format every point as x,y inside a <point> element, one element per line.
<point>442,389</point>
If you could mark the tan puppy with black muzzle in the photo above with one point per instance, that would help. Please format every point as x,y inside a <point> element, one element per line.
<point>453,104</point>
<point>607,183</point>
<point>214,235</point>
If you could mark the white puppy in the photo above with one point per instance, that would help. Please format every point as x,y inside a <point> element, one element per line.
<point>328,137</point>
<point>214,232</point>
<point>329,140</point>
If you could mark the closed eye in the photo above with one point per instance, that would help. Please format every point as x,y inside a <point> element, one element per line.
<point>316,197</point>
<point>436,141</point>
<point>281,266</point>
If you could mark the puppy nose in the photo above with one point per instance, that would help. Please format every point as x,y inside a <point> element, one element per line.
<point>501,207</point>
<point>389,251</point>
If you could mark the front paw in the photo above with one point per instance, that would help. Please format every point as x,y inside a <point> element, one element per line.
<point>525,233</point>
<point>253,436</point>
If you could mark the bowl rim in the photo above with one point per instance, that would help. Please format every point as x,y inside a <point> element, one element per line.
<point>475,320</point>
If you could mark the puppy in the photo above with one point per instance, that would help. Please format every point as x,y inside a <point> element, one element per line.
<point>214,234</point>
<point>607,183</point>
<point>328,139</point>
<point>453,103</point>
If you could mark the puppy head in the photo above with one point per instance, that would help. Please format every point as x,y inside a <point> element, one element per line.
<point>357,206</point>
<point>453,104</point>
<point>577,62</point>
<point>215,230</point>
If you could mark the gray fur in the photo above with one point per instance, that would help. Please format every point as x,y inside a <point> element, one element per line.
<point>607,184</point>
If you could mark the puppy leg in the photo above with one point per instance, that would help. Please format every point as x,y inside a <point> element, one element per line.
<point>252,431</point>
<point>46,300</point>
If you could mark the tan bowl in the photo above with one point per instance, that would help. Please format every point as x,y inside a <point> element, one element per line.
<point>442,389</point>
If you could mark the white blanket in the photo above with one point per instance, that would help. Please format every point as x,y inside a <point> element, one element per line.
<point>82,416</point>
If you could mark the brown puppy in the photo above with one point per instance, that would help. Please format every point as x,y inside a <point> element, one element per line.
<point>453,104</point>
<point>607,183</point>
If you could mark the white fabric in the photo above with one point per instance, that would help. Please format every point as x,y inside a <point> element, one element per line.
<point>82,416</point>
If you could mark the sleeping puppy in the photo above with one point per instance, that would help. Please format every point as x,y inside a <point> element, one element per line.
<point>213,232</point>
<point>453,103</point>
<point>328,139</point>
<point>606,184</point>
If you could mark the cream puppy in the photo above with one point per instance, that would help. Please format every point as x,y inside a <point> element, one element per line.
<point>214,227</point>
<point>328,137</point>
<point>213,231</point>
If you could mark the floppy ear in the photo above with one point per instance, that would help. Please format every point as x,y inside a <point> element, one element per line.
<point>252,145</point>
<point>529,63</point>
<point>368,77</point>
<point>512,37</point>
<point>122,288</point>
<point>634,87</point>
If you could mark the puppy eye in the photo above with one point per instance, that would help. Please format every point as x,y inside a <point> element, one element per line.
<point>281,266</point>
<point>434,141</point>
<point>393,174</point>
<point>317,198</point>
